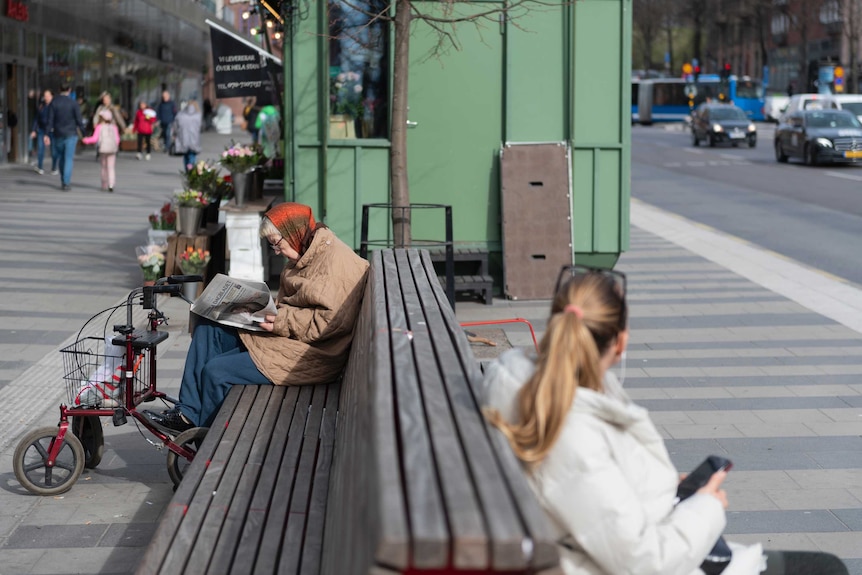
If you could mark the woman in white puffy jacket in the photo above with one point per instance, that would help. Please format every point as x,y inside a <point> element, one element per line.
<point>595,459</point>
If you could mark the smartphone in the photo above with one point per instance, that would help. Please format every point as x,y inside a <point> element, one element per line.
<point>700,476</point>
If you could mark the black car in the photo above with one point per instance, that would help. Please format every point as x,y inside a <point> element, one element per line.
<point>722,123</point>
<point>819,136</point>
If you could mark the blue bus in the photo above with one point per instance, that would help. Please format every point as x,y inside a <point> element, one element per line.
<point>673,99</point>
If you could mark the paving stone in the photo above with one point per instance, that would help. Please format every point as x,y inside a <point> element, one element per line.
<point>55,536</point>
<point>803,521</point>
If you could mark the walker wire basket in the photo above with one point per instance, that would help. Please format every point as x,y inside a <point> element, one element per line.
<point>93,371</point>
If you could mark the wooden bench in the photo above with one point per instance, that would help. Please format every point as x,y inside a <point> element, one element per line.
<point>392,470</point>
<point>471,271</point>
<point>420,482</point>
<point>254,498</point>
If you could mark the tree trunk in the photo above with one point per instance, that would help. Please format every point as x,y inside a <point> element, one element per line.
<point>398,151</point>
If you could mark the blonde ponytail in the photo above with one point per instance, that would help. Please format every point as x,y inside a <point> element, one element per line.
<point>583,323</point>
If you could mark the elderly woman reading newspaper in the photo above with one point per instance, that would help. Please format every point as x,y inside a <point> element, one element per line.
<point>306,342</point>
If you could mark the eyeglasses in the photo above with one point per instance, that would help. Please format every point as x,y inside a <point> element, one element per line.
<point>277,245</point>
<point>568,272</point>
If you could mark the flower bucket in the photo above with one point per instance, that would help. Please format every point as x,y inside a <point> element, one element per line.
<point>255,184</point>
<point>240,187</point>
<point>190,290</point>
<point>189,220</point>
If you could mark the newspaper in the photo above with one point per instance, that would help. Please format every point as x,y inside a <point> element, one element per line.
<point>238,303</point>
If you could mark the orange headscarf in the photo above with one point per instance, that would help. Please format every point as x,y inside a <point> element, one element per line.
<point>295,223</point>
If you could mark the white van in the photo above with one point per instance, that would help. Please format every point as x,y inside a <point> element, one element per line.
<point>851,102</point>
<point>809,102</point>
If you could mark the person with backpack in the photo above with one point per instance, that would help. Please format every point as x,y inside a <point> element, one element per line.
<point>107,138</point>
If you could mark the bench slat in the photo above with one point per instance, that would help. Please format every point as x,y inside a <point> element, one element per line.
<point>367,466</point>
<point>223,553</point>
<point>469,538</point>
<point>154,557</point>
<point>424,505</point>
<point>313,545</point>
<point>267,552</point>
<point>544,552</point>
<point>218,508</point>
<point>249,540</point>
<point>299,499</point>
<point>188,531</point>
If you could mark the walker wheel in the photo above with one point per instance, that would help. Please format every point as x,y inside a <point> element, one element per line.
<point>31,456</point>
<point>89,430</point>
<point>190,439</point>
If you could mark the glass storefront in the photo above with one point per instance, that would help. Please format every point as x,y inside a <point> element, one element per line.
<point>54,47</point>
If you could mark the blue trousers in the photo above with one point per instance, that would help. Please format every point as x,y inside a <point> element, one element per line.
<point>166,136</point>
<point>189,159</point>
<point>40,152</point>
<point>216,360</point>
<point>66,152</point>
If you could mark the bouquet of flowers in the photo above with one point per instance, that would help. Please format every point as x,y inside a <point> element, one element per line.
<point>193,261</point>
<point>152,260</point>
<point>239,158</point>
<point>164,219</point>
<point>202,176</point>
<point>345,95</point>
<point>189,198</point>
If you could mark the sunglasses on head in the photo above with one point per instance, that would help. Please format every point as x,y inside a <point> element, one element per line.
<point>569,271</point>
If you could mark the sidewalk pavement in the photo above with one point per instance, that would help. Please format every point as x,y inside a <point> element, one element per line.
<point>736,351</point>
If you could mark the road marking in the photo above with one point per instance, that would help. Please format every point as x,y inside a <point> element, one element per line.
<point>844,176</point>
<point>697,164</point>
<point>693,151</point>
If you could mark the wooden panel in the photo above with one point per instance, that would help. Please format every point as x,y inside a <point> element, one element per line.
<point>224,550</point>
<point>294,530</point>
<point>430,537</point>
<point>175,512</point>
<point>534,521</point>
<point>247,547</point>
<point>469,539</point>
<point>278,503</point>
<point>313,545</point>
<point>187,534</point>
<point>537,232</point>
<point>229,484</point>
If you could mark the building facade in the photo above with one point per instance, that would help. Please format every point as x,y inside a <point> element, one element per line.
<point>551,74</point>
<point>132,48</point>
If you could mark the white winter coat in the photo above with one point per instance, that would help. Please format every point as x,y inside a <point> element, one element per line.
<point>608,485</point>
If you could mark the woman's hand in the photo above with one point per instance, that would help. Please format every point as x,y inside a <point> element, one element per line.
<point>269,323</point>
<point>713,487</point>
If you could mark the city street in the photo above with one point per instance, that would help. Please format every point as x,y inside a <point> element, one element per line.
<point>810,214</point>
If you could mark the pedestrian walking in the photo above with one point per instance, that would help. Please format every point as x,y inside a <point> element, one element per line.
<point>208,115</point>
<point>106,136</point>
<point>166,112</point>
<point>106,103</point>
<point>145,117</point>
<point>249,114</point>
<point>187,134</point>
<point>63,128</point>
<point>41,121</point>
<point>597,462</point>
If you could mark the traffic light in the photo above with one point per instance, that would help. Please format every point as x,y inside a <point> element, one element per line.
<point>725,71</point>
<point>696,72</point>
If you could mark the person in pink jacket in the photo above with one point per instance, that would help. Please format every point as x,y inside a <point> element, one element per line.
<point>107,137</point>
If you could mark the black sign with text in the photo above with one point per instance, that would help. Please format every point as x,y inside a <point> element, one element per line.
<point>240,69</point>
